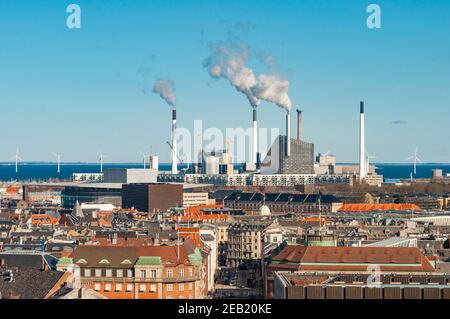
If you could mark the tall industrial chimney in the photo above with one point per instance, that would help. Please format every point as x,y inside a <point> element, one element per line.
<point>255,137</point>
<point>174,142</point>
<point>288,134</point>
<point>362,159</point>
<point>299,124</point>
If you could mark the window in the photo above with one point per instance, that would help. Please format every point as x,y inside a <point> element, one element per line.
<point>181,272</point>
<point>129,287</point>
<point>169,273</point>
<point>107,287</point>
<point>142,273</point>
<point>97,287</point>
<point>190,286</point>
<point>108,272</point>
<point>87,273</point>
<point>118,287</point>
<point>142,287</point>
<point>129,273</point>
<point>152,288</point>
<point>119,273</point>
<point>190,272</point>
<point>169,287</point>
<point>152,273</point>
<point>98,272</point>
<point>180,287</point>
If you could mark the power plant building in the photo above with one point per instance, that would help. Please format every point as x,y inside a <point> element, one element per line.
<point>300,161</point>
<point>290,155</point>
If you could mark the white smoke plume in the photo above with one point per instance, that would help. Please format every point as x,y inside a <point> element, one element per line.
<point>165,89</point>
<point>230,63</point>
<point>272,88</point>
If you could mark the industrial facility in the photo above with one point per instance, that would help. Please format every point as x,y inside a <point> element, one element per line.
<point>288,162</point>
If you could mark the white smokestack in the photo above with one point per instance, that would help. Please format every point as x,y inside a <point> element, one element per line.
<point>255,137</point>
<point>362,151</point>
<point>288,134</point>
<point>174,142</point>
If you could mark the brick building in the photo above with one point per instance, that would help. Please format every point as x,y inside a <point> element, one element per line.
<point>342,259</point>
<point>301,285</point>
<point>152,197</point>
<point>282,202</point>
<point>145,272</point>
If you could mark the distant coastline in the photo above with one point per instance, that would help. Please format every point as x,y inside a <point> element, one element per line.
<point>41,171</point>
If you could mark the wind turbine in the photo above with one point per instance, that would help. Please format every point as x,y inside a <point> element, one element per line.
<point>58,156</point>
<point>17,158</point>
<point>144,157</point>
<point>102,156</point>
<point>416,159</point>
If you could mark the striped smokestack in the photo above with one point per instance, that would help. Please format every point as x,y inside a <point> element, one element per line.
<point>174,142</point>
<point>288,134</point>
<point>362,151</point>
<point>255,137</point>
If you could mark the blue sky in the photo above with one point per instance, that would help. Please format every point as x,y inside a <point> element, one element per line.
<point>77,92</point>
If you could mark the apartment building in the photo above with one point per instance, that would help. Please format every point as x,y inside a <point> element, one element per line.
<point>196,199</point>
<point>244,243</point>
<point>145,272</point>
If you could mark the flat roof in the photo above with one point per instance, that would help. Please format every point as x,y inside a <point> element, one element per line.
<point>106,185</point>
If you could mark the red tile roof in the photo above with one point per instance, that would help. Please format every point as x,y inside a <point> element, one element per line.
<point>378,207</point>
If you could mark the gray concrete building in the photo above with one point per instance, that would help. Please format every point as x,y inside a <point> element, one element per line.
<point>130,175</point>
